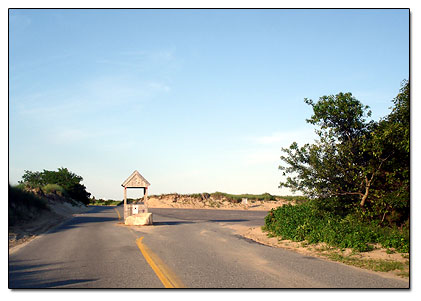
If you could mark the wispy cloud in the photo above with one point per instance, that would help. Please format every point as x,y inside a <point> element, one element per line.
<point>303,135</point>
<point>20,69</point>
<point>69,136</point>
<point>97,94</point>
<point>133,52</point>
<point>35,106</point>
<point>74,135</point>
<point>261,156</point>
<point>143,76</point>
<point>266,149</point>
<point>123,90</point>
<point>163,55</point>
<point>157,86</point>
<point>139,59</point>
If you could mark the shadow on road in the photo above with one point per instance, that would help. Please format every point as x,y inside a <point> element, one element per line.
<point>24,275</point>
<point>170,223</point>
<point>227,220</point>
<point>80,221</point>
<point>97,209</point>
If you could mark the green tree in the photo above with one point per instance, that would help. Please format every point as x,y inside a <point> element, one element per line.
<point>32,179</point>
<point>391,140</point>
<point>334,164</point>
<point>354,160</point>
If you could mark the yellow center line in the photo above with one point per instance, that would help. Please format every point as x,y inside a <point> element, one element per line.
<point>167,277</point>
<point>118,213</point>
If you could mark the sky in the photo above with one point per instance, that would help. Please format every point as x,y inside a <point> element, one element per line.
<point>195,100</point>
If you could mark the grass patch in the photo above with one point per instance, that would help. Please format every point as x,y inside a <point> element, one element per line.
<point>54,188</point>
<point>371,264</point>
<point>404,274</point>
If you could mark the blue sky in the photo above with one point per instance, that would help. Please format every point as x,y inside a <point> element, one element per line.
<point>195,100</point>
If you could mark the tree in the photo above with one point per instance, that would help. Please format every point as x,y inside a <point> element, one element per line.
<point>32,179</point>
<point>391,138</point>
<point>335,163</point>
<point>63,177</point>
<point>354,160</point>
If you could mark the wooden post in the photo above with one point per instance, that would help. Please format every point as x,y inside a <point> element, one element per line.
<point>146,195</point>
<point>125,203</point>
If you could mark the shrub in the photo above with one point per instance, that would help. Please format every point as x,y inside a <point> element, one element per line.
<point>297,198</point>
<point>54,188</point>
<point>307,222</point>
<point>236,198</point>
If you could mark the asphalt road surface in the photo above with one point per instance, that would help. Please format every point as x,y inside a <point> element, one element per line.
<point>184,248</point>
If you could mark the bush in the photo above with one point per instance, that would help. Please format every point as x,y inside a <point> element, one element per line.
<point>297,198</point>
<point>236,198</point>
<point>307,222</point>
<point>54,188</point>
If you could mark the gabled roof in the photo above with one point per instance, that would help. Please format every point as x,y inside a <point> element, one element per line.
<point>135,180</point>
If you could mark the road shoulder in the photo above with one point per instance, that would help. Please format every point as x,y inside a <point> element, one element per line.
<point>22,234</point>
<point>373,262</point>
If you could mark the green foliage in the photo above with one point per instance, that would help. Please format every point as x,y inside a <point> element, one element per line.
<point>24,205</point>
<point>198,195</point>
<point>354,162</point>
<point>101,202</point>
<point>236,198</point>
<point>20,186</point>
<point>32,179</point>
<point>391,136</point>
<point>306,222</point>
<point>54,188</point>
<point>334,165</point>
<point>69,181</point>
<point>341,116</point>
<point>296,198</point>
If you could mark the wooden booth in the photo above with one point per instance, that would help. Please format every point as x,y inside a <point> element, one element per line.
<point>136,180</point>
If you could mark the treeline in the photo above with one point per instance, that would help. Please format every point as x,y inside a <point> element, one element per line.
<point>101,202</point>
<point>356,175</point>
<point>61,182</point>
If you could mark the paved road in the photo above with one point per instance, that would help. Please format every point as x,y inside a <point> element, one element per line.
<point>185,248</point>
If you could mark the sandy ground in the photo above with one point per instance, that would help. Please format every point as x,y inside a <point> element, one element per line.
<point>320,250</point>
<point>179,201</point>
<point>23,233</point>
